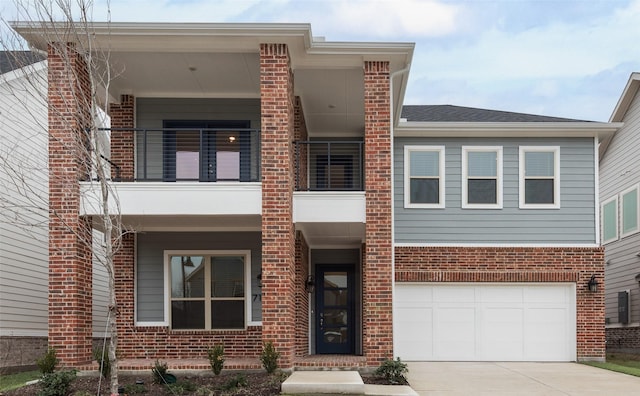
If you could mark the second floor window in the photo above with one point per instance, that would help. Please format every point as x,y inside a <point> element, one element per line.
<point>482,177</point>
<point>539,177</point>
<point>424,176</point>
<point>610,220</point>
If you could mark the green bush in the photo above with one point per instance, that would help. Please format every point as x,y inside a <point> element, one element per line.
<point>216,358</point>
<point>181,387</point>
<point>393,371</point>
<point>48,362</point>
<point>134,389</point>
<point>56,384</point>
<point>159,371</point>
<point>269,357</point>
<point>237,381</point>
<point>103,360</point>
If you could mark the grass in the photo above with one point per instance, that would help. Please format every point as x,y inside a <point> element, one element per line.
<point>15,381</point>
<point>620,362</point>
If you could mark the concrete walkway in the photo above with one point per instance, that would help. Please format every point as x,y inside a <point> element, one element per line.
<point>522,379</point>
<point>338,383</point>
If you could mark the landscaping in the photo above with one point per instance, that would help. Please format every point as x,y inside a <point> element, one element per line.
<point>620,362</point>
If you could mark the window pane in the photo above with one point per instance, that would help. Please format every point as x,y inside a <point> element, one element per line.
<point>227,276</point>
<point>227,314</point>
<point>228,165</point>
<point>482,191</point>
<point>188,155</point>
<point>187,314</point>
<point>630,211</point>
<point>335,279</point>
<point>538,191</point>
<point>482,164</point>
<point>425,191</point>
<point>609,221</point>
<point>424,163</point>
<point>539,164</point>
<point>187,276</point>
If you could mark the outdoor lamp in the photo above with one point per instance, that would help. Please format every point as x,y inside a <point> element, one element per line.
<point>593,284</point>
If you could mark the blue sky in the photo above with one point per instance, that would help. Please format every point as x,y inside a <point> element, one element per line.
<point>568,58</point>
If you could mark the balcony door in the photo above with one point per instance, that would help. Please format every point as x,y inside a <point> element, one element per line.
<point>206,150</point>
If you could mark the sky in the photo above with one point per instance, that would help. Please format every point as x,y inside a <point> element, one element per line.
<point>565,58</point>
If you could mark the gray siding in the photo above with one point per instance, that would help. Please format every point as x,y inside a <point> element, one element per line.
<point>150,265</point>
<point>619,170</point>
<point>573,223</point>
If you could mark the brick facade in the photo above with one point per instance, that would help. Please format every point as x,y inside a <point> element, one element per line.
<point>70,268</point>
<point>278,240</point>
<point>20,353</point>
<point>122,140</point>
<point>377,270</point>
<point>480,264</point>
<point>623,339</point>
<point>302,296</point>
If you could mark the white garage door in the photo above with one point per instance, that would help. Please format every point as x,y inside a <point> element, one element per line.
<point>488,322</point>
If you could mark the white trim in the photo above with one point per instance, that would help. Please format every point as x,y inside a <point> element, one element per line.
<point>247,285</point>
<point>498,177</point>
<point>621,326</point>
<point>617,218</point>
<point>621,211</point>
<point>441,177</point>
<point>507,129</point>
<point>498,245</point>
<point>596,189</point>
<point>556,177</point>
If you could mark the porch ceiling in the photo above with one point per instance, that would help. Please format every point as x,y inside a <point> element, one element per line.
<point>333,234</point>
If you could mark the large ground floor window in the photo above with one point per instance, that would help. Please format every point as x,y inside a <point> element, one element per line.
<point>208,290</point>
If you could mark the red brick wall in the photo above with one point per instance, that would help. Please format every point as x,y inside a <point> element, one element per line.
<point>278,240</point>
<point>377,277</point>
<point>122,141</point>
<point>300,134</point>
<point>70,270</point>
<point>302,296</point>
<point>478,264</point>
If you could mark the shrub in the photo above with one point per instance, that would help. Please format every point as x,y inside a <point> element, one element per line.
<point>159,371</point>
<point>181,387</point>
<point>393,371</point>
<point>269,357</point>
<point>48,362</point>
<point>134,389</point>
<point>56,384</point>
<point>237,381</point>
<point>216,358</point>
<point>103,361</point>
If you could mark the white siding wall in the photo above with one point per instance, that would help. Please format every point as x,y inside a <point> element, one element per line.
<point>23,203</point>
<point>619,170</point>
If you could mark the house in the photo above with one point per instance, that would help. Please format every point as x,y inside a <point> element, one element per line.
<point>24,233</point>
<point>619,189</point>
<point>279,192</point>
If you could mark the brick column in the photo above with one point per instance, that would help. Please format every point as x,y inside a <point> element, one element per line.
<point>123,263</point>
<point>278,240</point>
<point>70,266</point>
<point>378,276</point>
<point>122,141</point>
<point>300,134</point>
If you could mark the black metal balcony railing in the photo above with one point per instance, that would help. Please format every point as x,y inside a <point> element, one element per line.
<point>205,155</point>
<point>329,166</point>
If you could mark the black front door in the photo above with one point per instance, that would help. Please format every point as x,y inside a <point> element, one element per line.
<point>335,322</point>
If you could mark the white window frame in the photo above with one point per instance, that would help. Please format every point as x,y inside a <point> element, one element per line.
<point>247,283</point>
<point>556,177</point>
<point>617,219</point>
<point>465,177</point>
<point>621,211</point>
<point>407,177</point>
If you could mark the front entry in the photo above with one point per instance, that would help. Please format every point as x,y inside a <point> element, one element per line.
<point>335,313</point>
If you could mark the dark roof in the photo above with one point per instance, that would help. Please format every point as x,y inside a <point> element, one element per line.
<point>449,113</point>
<point>12,60</point>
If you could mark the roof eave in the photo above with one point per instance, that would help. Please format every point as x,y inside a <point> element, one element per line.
<point>506,129</point>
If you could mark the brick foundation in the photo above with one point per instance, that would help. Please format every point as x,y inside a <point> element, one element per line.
<point>20,353</point>
<point>623,339</point>
<point>378,251</point>
<point>458,264</point>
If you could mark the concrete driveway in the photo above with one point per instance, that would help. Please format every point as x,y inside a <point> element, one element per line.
<point>483,378</point>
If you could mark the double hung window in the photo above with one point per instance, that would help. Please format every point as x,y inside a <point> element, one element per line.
<point>482,177</point>
<point>424,177</point>
<point>629,213</point>
<point>208,291</point>
<point>539,177</point>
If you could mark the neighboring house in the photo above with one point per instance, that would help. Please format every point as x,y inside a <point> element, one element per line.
<point>620,208</point>
<point>24,214</point>
<point>277,195</point>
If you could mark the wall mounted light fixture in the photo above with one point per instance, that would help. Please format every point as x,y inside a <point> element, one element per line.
<point>593,284</point>
<point>309,284</point>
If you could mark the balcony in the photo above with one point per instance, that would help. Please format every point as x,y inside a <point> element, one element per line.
<point>329,166</point>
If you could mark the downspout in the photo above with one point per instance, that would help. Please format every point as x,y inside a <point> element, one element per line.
<point>393,223</point>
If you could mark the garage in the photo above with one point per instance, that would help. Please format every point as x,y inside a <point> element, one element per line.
<point>485,322</point>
